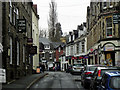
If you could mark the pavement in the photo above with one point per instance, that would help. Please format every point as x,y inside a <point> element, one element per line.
<point>24,83</point>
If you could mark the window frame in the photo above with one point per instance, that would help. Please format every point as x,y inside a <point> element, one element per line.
<point>108,28</point>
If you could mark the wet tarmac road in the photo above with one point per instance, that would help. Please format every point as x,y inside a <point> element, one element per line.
<point>59,80</point>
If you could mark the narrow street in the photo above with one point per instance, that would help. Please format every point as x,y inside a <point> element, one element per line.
<point>58,80</point>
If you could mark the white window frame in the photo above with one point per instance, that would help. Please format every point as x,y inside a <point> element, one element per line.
<point>108,28</point>
<point>18,53</point>
<point>10,12</point>
<point>17,13</point>
<point>59,49</point>
<point>110,1</point>
<point>104,7</point>
<point>83,46</point>
<point>14,15</point>
<point>10,50</point>
<point>77,48</point>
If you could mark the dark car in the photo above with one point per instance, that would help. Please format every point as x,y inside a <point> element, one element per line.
<point>77,68</point>
<point>97,76</point>
<point>87,74</point>
<point>110,81</point>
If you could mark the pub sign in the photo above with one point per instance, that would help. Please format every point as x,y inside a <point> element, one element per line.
<point>21,25</point>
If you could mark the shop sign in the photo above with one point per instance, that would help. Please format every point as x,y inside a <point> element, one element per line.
<point>74,58</point>
<point>80,57</point>
<point>21,25</point>
<point>32,50</point>
<point>91,50</point>
<point>85,57</point>
<point>110,48</point>
<point>116,18</point>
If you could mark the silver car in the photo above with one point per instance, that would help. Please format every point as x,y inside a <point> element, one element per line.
<point>77,68</point>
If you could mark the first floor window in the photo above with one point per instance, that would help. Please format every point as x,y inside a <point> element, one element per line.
<point>10,50</point>
<point>83,47</point>
<point>18,53</point>
<point>109,27</point>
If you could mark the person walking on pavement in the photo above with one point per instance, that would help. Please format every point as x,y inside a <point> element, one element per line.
<point>43,68</point>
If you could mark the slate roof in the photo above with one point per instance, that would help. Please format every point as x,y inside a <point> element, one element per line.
<point>44,40</point>
<point>57,44</point>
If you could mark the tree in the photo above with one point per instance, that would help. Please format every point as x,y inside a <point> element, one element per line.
<point>52,20</point>
<point>58,32</point>
<point>43,33</point>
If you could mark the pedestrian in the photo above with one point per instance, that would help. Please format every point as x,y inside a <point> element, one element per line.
<point>43,68</point>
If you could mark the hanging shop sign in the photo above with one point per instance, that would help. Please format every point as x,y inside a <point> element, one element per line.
<point>116,18</point>
<point>32,50</point>
<point>21,25</point>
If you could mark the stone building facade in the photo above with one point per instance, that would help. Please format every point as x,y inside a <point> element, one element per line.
<point>16,60</point>
<point>103,25</point>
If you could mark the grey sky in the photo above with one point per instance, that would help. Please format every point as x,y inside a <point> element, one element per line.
<point>70,13</point>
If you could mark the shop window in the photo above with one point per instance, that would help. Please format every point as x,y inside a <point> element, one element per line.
<point>109,27</point>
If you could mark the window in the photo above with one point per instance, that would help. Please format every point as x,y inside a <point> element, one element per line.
<point>71,50</point>
<point>110,4</point>
<point>104,4</point>
<point>43,54</point>
<point>59,49</point>
<point>77,47</point>
<point>24,54</point>
<point>10,50</point>
<point>18,53</point>
<point>109,27</point>
<point>10,12</point>
<point>15,15</point>
<point>83,47</point>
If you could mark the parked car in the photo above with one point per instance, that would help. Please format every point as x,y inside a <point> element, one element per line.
<point>77,68</point>
<point>68,70</point>
<point>87,74</point>
<point>97,76</point>
<point>110,81</point>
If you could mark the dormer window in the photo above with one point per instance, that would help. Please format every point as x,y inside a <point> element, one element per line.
<point>104,4</point>
<point>47,47</point>
<point>110,4</point>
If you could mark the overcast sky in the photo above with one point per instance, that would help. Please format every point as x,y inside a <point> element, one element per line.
<point>70,13</point>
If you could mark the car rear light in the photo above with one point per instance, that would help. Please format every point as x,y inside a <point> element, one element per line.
<point>87,73</point>
<point>99,72</point>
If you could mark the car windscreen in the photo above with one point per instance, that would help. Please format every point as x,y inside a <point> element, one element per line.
<point>92,68</point>
<point>78,65</point>
<point>115,82</point>
<point>108,70</point>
